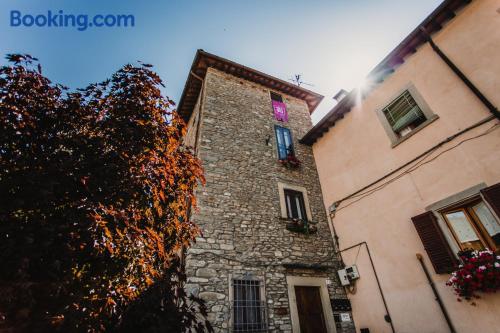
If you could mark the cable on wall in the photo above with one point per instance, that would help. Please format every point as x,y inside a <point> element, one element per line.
<point>419,163</point>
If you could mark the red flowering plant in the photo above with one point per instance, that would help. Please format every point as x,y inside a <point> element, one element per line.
<point>290,161</point>
<point>479,272</point>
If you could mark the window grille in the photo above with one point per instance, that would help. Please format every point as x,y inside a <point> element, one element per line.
<point>404,112</point>
<point>249,308</point>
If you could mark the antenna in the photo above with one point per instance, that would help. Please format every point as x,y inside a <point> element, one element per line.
<point>297,79</point>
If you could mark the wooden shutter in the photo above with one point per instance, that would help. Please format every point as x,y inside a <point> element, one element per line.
<point>435,244</point>
<point>492,196</point>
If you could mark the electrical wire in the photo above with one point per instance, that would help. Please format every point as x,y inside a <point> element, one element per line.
<point>415,167</point>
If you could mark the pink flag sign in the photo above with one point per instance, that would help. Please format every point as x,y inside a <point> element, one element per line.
<point>280,111</point>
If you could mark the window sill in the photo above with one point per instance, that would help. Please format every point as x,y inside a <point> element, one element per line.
<point>300,226</point>
<point>416,130</point>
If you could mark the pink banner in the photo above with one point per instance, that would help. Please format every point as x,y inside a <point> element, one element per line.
<point>280,111</point>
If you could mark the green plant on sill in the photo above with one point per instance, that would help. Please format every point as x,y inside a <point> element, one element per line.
<point>302,226</point>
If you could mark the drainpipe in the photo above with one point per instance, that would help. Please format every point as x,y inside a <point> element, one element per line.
<point>436,294</point>
<point>461,75</point>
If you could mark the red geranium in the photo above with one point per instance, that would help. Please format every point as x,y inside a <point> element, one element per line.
<point>480,272</point>
<point>290,161</point>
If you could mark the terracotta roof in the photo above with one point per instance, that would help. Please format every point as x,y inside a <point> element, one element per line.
<point>432,23</point>
<point>203,60</point>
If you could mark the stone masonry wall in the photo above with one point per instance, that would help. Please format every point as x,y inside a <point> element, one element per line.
<point>239,209</point>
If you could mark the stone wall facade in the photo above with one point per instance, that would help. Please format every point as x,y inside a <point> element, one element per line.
<point>239,209</point>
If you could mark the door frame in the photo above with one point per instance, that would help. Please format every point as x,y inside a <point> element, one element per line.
<point>320,282</point>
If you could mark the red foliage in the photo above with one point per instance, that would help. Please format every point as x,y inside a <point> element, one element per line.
<point>480,272</point>
<point>95,192</point>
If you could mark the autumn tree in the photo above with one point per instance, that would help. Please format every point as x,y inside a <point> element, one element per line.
<point>95,193</point>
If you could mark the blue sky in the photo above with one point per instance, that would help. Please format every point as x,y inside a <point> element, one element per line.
<point>332,43</point>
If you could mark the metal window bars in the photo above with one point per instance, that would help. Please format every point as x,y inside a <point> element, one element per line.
<point>403,111</point>
<point>249,309</point>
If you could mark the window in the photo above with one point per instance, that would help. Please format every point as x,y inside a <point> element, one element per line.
<point>473,226</point>
<point>403,114</point>
<point>465,220</point>
<point>249,307</point>
<point>295,206</point>
<point>294,199</point>
<point>276,97</point>
<point>284,142</point>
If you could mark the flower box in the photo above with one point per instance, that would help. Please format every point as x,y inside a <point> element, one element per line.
<point>290,162</point>
<point>297,225</point>
<point>479,272</point>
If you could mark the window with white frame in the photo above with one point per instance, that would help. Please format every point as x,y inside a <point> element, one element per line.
<point>473,226</point>
<point>249,306</point>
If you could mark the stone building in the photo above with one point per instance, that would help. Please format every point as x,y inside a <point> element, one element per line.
<point>266,260</point>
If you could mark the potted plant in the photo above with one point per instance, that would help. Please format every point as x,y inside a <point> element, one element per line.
<point>290,161</point>
<point>299,225</point>
<point>479,272</point>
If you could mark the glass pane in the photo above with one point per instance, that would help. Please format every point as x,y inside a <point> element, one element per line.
<point>489,222</point>
<point>288,206</point>
<point>248,307</point>
<point>299,210</point>
<point>288,141</point>
<point>281,144</point>
<point>404,112</point>
<point>279,135</point>
<point>464,230</point>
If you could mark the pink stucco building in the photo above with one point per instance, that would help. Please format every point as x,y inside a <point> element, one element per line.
<point>410,164</point>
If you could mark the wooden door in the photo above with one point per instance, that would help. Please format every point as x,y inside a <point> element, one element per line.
<point>311,317</point>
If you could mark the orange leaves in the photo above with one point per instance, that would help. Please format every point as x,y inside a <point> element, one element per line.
<point>162,195</point>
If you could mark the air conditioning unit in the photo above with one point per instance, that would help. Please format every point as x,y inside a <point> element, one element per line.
<point>348,274</point>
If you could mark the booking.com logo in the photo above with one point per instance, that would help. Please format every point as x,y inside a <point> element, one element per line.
<point>60,20</point>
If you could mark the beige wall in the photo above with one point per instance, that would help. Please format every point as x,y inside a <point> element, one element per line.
<point>357,151</point>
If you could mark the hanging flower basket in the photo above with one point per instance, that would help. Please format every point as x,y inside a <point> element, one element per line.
<point>479,272</point>
<point>297,225</point>
<point>290,162</point>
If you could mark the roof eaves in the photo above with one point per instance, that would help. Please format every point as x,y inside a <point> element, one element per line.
<point>203,60</point>
<point>432,23</point>
<point>337,112</point>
